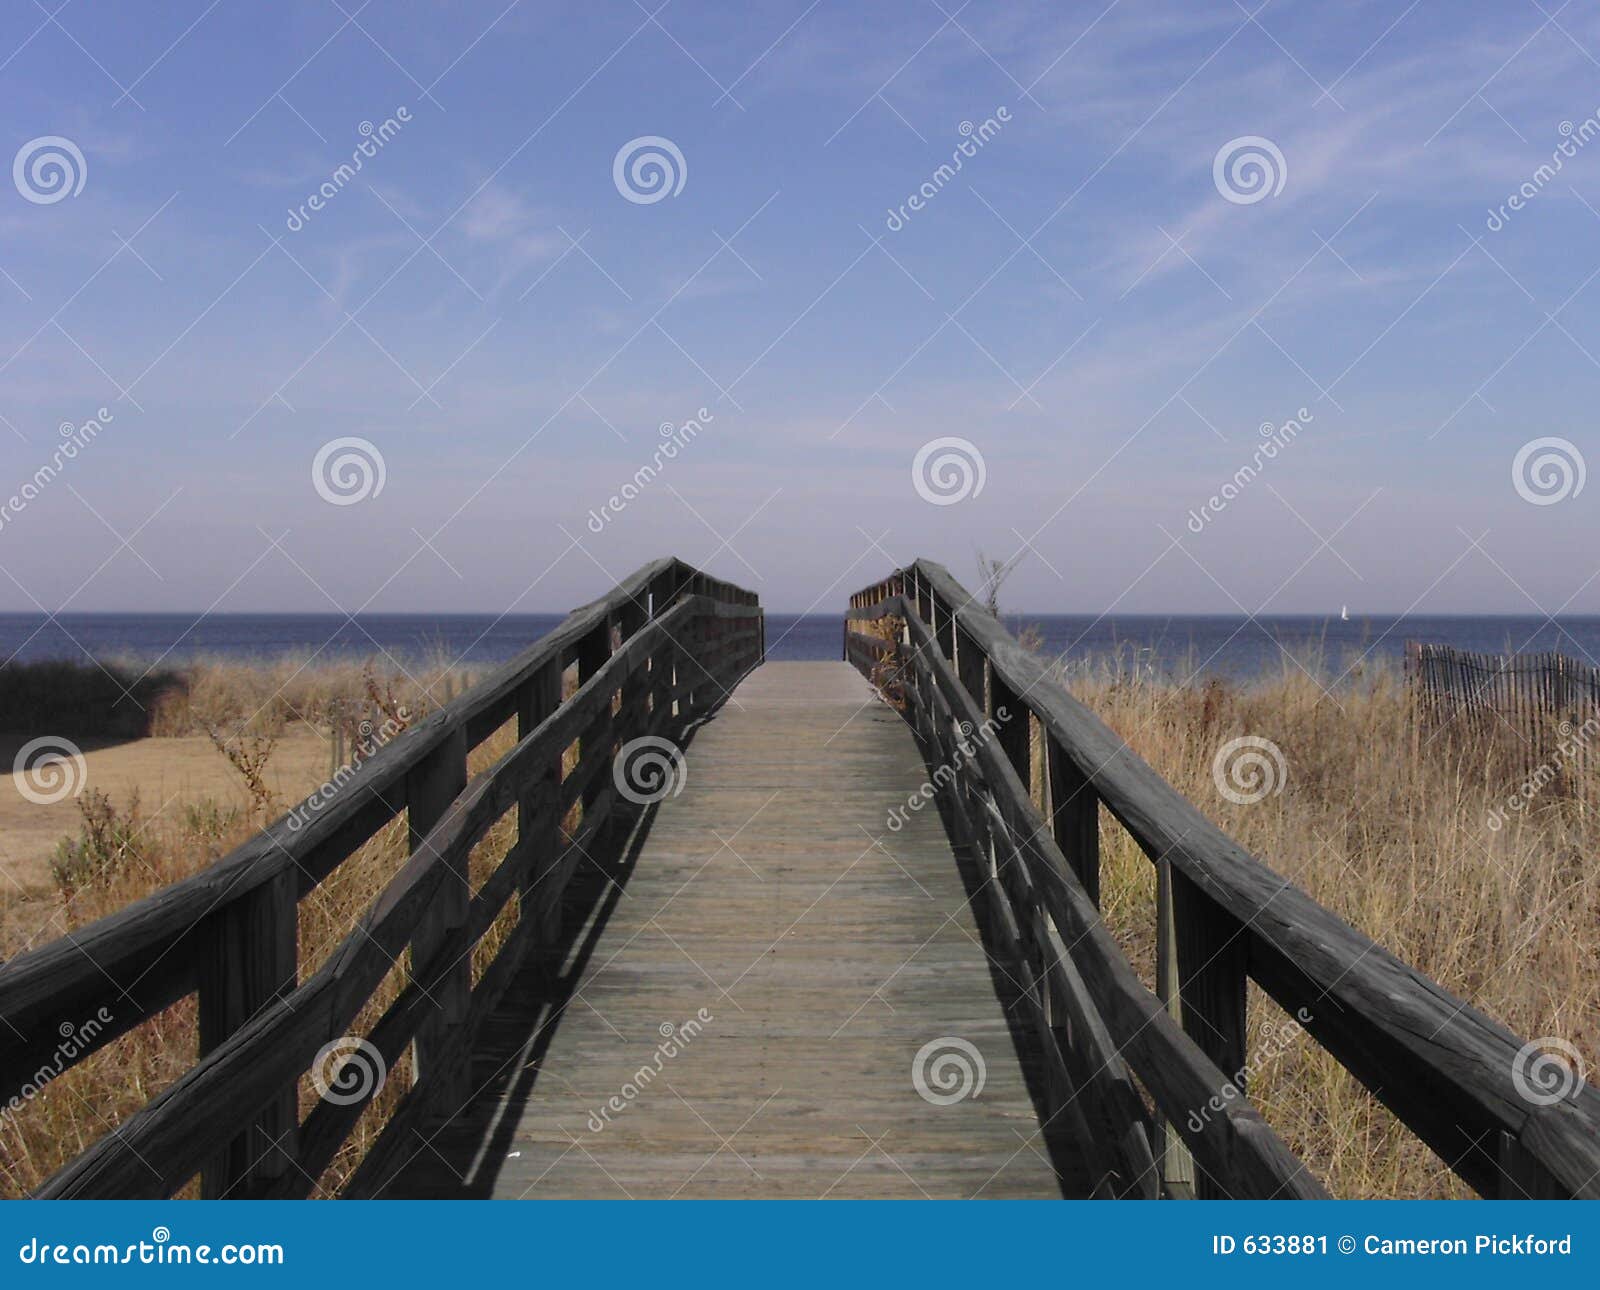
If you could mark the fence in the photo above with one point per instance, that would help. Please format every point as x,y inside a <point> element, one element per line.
<point>1540,711</point>
<point>1447,1071</point>
<point>659,651</point>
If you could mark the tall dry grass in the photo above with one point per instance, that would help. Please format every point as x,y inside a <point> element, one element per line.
<point>120,855</point>
<point>1382,824</point>
<point>1389,826</point>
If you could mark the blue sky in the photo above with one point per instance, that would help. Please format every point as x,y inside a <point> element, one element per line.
<point>1082,304</point>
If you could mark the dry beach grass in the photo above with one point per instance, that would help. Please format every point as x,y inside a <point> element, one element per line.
<point>1387,827</point>
<point>1390,828</point>
<point>121,853</point>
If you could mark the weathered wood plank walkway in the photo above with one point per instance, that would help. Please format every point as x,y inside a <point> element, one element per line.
<point>801,955</point>
<point>826,952</point>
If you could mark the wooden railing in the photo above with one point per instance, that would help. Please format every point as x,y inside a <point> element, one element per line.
<point>659,651</point>
<point>985,709</point>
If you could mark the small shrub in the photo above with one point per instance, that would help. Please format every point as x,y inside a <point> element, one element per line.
<point>108,841</point>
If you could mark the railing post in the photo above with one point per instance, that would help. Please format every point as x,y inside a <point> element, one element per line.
<point>1014,733</point>
<point>539,808</point>
<point>1200,958</point>
<point>662,719</point>
<point>593,651</point>
<point>944,630</point>
<point>970,666</point>
<point>1522,1176</point>
<point>632,718</point>
<point>1212,978</point>
<point>432,785</point>
<point>1074,814</point>
<point>663,592</point>
<point>1177,1165</point>
<point>248,961</point>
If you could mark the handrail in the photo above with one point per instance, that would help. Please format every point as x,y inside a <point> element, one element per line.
<point>661,649</point>
<point>1446,1070</point>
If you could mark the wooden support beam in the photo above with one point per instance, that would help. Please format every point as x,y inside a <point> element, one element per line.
<point>248,961</point>
<point>538,822</point>
<point>430,789</point>
<point>1211,955</point>
<point>1176,1164</point>
<point>1074,813</point>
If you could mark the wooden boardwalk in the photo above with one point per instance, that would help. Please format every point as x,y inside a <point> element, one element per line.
<point>732,992</point>
<point>825,950</point>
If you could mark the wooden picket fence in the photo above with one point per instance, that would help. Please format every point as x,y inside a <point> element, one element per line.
<point>1538,709</point>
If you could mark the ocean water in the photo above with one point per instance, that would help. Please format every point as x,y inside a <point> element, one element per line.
<point>1172,646</point>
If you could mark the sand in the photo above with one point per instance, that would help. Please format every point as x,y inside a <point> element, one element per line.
<point>167,773</point>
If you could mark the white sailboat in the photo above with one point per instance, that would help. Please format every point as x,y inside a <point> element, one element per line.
<point>1344,613</point>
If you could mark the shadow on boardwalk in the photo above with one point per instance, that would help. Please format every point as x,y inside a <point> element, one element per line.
<point>458,1157</point>
<point>475,1154</point>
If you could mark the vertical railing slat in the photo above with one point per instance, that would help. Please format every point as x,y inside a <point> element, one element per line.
<point>247,961</point>
<point>431,787</point>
